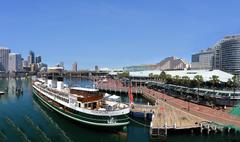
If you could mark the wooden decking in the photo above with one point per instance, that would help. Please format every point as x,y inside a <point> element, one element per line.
<point>170,114</point>
<point>169,117</point>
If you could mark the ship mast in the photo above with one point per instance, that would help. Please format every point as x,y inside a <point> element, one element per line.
<point>130,95</point>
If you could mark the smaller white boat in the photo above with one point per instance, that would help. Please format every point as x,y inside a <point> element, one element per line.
<point>2,93</point>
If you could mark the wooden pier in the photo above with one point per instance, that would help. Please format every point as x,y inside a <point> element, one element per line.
<point>170,114</point>
<point>167,117</point>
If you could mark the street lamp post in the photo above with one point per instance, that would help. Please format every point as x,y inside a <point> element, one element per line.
<point>188,102</point>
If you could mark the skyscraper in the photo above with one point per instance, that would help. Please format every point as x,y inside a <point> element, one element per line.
<point>31,58</point>
<point>38,59</point>
<point>96,68</point>
<point>4,53</point>
<point>224,55</point>
<point>74,67</point>
<point>230,54</point>
<point>15,62</point>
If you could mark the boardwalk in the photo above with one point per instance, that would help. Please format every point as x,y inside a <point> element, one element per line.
<point>207,113</point>
<point>173,113</point>
<point>167,116</point>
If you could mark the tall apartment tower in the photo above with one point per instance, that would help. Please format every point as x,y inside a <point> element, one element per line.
<point>224,55</point>
<point>230,54</point>
<point>15,62</point>
<point>4,53</point>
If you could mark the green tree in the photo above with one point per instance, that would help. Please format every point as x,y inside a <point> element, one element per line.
<point>169,79</point>
<point>163,76</point>
<point>214,80</point>
<point>198,80</point>
<point>155,76</point>
<point>176,80</point>
<point>185,81</point>
<point>151,75</point>
<point>234,83</point>
<point>124,75</point>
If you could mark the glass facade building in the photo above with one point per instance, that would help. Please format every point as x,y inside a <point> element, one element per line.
<point>4,53</point>
<point>230,54</point>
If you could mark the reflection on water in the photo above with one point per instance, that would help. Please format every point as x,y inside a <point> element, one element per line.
<point>24,118</point>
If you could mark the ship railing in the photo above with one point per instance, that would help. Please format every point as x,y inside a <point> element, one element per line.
<point>52,92</point>
<point>111,112</point>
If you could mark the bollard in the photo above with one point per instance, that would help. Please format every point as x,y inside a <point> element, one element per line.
<point>229,129</point>
<point>208,129</point>
<point>175,125</point>
<point>165,129</point>
<point>201,128</point>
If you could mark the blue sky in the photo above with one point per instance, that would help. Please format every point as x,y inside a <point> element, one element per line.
<point>115,33</point>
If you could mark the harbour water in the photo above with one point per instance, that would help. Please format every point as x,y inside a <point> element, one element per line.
<point>24,118</point>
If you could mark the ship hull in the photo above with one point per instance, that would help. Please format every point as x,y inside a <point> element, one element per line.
<point>87,119</point>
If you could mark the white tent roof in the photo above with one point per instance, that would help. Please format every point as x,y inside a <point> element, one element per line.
<point>206,74</point>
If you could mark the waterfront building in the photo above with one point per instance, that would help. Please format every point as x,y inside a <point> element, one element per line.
<point>224,55</point>
<point>172,63</point>
<point>61,64</point>
<point>206,74</point>
<point>4,53</point>
<point>34,67</point>
<point>25,63</point>
<point>15,62</point>
<point>203,60</point>
<point>74,67</point>
<point>96,69</point>
<point>230,54</point>
<point>169,63</point>
<point>199,95</point>
<point>31,58</point>
<point>38,59</point>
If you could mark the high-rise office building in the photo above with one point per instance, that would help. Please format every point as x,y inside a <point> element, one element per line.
<point>96,68</point>
<point>38,59</point>
<point>15,62</point>
<point>4,53</point>
<point>25,63</point>
<point>31,58</point>
<point>224,55</point>
<point>230,54</point>
<point>203,60</point>
<point>74,67</point>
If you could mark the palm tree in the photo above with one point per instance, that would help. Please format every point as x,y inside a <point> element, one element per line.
<point>214,81</point>
<point>169,79</point>
<point>151,75</point>
<point>198,79</point>
<point>124,75</point>
<point>185,80</point>
<point>234,83</point>
<point>176,80</point>
<point>163,76</point>
<point>230,83</point>
<point>155,76</point>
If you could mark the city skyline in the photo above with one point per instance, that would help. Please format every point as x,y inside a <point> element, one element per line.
<point>126,33</point>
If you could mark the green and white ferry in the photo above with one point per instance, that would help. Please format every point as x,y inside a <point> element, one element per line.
<point>85,105</point>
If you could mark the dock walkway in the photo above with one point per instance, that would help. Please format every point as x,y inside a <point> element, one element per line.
<point>171,113</point>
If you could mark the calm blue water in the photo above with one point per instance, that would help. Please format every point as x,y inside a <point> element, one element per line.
<point>24,118</point>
